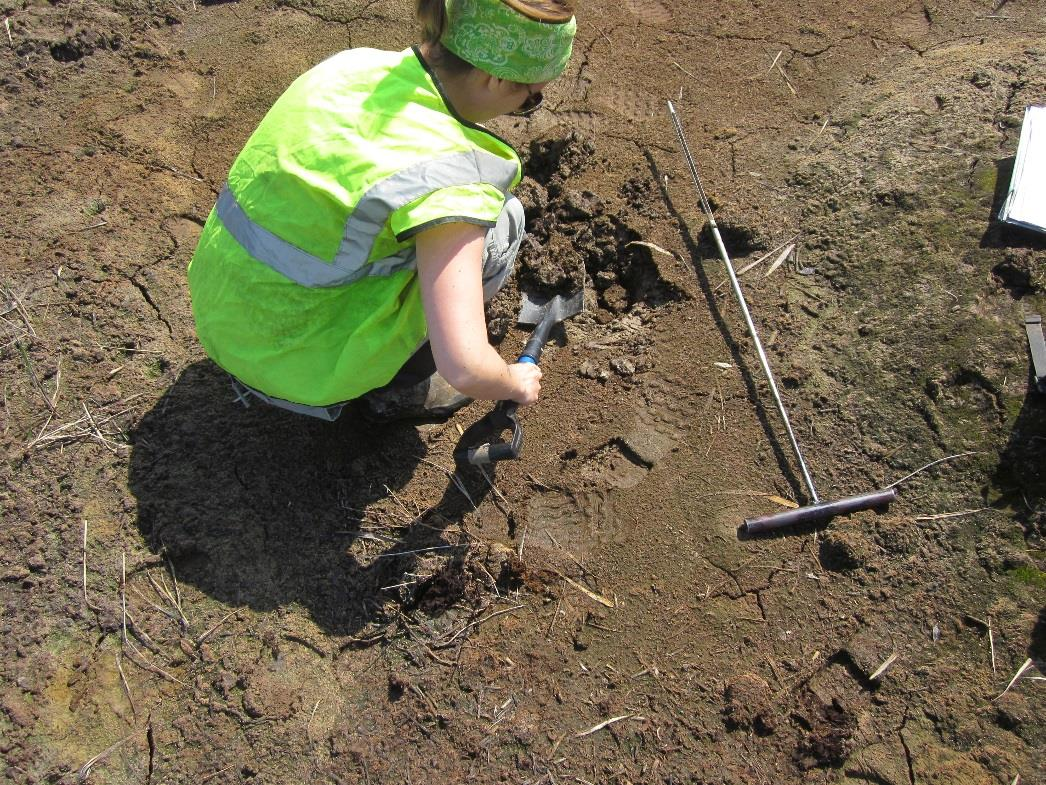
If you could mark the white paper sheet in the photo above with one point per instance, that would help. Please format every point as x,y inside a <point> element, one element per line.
<point>1025,203</point>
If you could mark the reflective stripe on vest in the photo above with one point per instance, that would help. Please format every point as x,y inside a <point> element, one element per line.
<point>365,222</point>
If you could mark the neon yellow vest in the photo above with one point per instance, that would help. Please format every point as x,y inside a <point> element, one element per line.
<point>304,281</point>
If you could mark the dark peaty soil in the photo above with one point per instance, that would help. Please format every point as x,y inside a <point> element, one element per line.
<point>194,592</point>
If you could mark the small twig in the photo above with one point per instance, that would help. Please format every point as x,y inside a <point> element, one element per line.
<point>140,660</point>
<point>522,540</point>
<point>126,686</point>
<point>882,668</point>
<point>602,34</point>
<point>692,76</point>
<point>818,134</point>
<point>101,222</point>
<point>365,535</point>
<point>436,713</point>
<point>420,550</point>
<point>36,380</point>
<point>788,251</point>
<point>163,594</point>
<point>211,776</point>
<point>493,581</point>
<point>87,602</point>
<point>66,433</point>
<point>141,634</point>
<point>7,27</point>
<point>204,636</point>
<point>413,515</point>
<point>652,247</point>
<point>461,487</point>
<point>949,514</point>
<point>84,772</point>
<point>361,641</point>
<point>605,723</point>
<point>427,650</point>
<point>159,608</point>
<point>555,616</point>
<point>787,80</point>
<point>174,171</point>
<point>107,443</point>
<point>931,463</point>
<point>588,593</point>
<point>1020,671</point>
<point>453,478</point>
<point>758,261</point>
<point>476,623</point>
<point>307,644</point>
<point>177,593</point>
<point>57,385</point>
<point>991,644</point>
<point>123,592</point>
<point>18,306</point>
<point>131,350</point>
<point>493,487</point>
<point>312,716</point>
<point>537,483</point>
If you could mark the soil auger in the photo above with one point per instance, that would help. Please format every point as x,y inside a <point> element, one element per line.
<point>818,510</point>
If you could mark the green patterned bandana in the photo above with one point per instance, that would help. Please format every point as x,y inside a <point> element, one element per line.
<point>503,42</point>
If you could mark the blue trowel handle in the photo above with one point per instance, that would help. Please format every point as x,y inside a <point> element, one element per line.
<point>532,351</point>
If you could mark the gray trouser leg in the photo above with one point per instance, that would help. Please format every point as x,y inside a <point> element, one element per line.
<point>244,394</point>
<point>502,245</point>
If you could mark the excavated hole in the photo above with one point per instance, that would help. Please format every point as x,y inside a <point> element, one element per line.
<point>68,52</point>
<point>1015,276</point>
<point>740,240</point>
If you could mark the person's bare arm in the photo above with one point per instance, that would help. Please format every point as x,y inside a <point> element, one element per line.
<point>450,261</point>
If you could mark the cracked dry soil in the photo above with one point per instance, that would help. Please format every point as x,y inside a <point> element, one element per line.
<point>197,593</point>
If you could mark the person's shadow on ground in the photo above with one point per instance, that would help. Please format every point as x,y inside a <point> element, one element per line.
<point>258,507</point>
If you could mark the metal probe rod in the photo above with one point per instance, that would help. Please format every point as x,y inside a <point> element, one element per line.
<point>744,306</point>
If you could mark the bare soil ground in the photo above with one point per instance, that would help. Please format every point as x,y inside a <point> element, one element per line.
<point>197,593</point>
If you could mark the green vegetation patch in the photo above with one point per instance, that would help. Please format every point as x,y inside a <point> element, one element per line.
<point>1029,576</point>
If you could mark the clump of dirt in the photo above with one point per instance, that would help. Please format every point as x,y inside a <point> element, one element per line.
<point>829,732</point>
<point>749,705</point>
<point>578,238</point>
<point>553,161</point>
<point>642,196</point>
<point>844,549</point>
<point>443,589</point>
<point>1021,274</point>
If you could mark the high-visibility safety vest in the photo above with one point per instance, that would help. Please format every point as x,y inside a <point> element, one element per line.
<point>304,282</point>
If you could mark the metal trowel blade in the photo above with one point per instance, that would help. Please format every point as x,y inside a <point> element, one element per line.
<point>534,308</point>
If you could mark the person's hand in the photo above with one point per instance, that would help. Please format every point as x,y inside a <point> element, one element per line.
<point>526,378</point>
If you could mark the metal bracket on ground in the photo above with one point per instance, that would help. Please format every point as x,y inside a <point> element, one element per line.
<point>1033,325</point>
